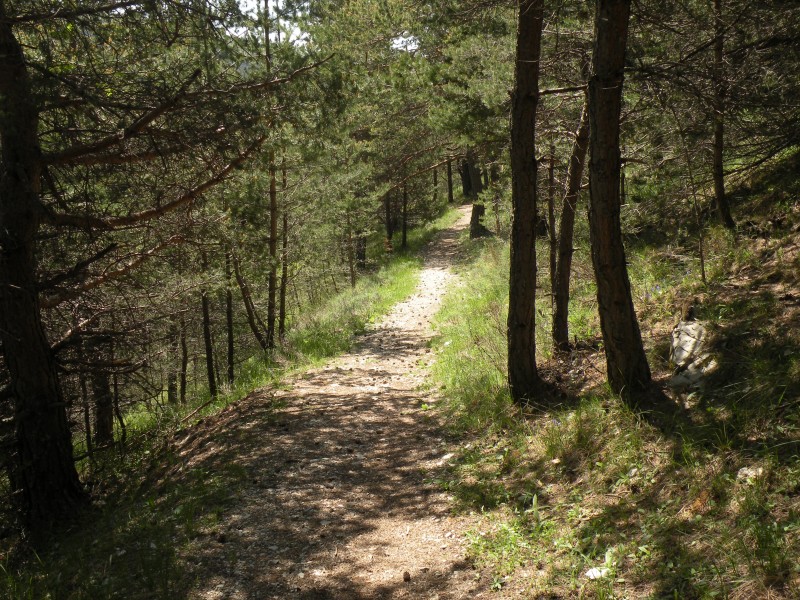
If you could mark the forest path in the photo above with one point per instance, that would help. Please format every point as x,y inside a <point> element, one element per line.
<point>338,500</point>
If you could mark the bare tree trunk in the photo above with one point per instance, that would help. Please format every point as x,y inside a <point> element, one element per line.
<point>566,231</point>
<point>404,238</point>
<point>273,253</point>
<point>184,362</point>
<point>551,221</point>
<point>387,202</point>
<point>229,316</point>
<point>435,186</point>
<point>449,182</point>
<point>87,413</point>
<point>101,391</point>
<point>172,374</point>
<point>361,250</point>
<point>628,371</point>
<point>209,346</point>
<point>719,119</point>
<point>212,381</point>
<point>284,264</point>
<point>273,209</point>
<point>42,473</point>
<point>523,377</point>
<point>351,254</point>
<point>249,308</point>
<point>475,181</point>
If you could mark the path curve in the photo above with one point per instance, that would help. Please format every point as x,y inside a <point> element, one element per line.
<point>340,501</point>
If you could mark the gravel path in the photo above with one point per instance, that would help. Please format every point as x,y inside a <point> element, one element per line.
<point>339,500</point>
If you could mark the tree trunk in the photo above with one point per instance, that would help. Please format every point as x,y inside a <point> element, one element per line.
<point>249,308</point>
<point>466,180</point>
<point>104,408</point>
<point>229,316</point>
<point>87,413</point>
<point>566,231</point>
<point>284,268</point>
<point>523,377</point>
<point>387,202</point>
<point>475,180</point>
<point>209,346</point>
<point>551,221</point>
<point>351,253</point>
<point>42,473</point>
<point>435,186</point>
<point>449,182</point>
<point>404,239</point>
<point>361,250</point>
<point>273,253</point>
<point>476,227</point>
<point>172,374</point>
<point>184,362</point>
<point>719,119</point>
<point>102,393</point>
<point>628,371</point>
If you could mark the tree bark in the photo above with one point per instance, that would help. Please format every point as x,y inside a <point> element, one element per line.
<point>449,182</point>
<point>102,393</point>
<point>628,371</point>
<point>184,363</point>
<point>435,186</point>
<point>387,202</point>
<point>209,346</point>
<point>718,167</point>
<point>361,250</point>
<point>566,234</point>
<point>249,308</point>
<point>551,221</point>
<point>475,180</point>
<point>523,378</point>
<point>273,253</point>
<point>229,317</point>
<point>351,253</point>
<point>172,375</point>
<point>404,238</point>
<point>466,180</point>
<point>284,266</point>
<point>42,473</point>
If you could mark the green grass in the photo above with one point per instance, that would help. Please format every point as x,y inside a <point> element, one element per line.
<point>660,501</point>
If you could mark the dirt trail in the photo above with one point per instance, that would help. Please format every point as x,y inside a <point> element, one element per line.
<point>338,500</point>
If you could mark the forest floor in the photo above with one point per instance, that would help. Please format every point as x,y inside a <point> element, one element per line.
<point>338,495</point>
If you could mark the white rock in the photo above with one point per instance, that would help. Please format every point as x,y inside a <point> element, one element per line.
<point>597,572</point>
<point>748,474</point>
<point>687,342</point>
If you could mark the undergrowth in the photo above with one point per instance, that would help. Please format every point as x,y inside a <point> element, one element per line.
<point>582,497</point>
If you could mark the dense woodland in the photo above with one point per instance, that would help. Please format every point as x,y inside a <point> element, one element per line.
<point>185,182</point>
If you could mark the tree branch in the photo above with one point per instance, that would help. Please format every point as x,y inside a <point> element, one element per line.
<point>110,223</point>
<point>70,14</point>
<point>75,153</point>
<point>56,299</point>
